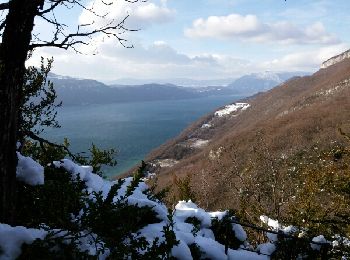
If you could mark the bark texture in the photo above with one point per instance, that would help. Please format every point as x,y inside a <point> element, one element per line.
<point>13,53</point>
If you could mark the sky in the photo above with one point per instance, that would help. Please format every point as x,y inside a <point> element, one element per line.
<point>200,39</point>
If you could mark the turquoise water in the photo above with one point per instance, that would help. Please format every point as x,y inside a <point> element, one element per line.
<point>134,129</point>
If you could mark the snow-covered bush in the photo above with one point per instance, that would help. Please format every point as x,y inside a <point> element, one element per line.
<point>76,214</point>
<point>231,235</point>
<point>290,242</point>
<point>76,206</point>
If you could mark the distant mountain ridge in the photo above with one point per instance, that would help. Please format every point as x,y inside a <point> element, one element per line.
<point>260,82</point>
<point>73,91</point>
<point>185,82</point>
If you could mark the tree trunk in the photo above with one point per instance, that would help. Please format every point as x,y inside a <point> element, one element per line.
<point>13,53</point>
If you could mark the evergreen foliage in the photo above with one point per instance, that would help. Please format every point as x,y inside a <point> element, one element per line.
<point>182,189</point>
<point>292,248</point>
<point>196,224</point>
<point>224,232</point>
<point>38,101</point>
<point>65,205</point>
<point>45,153</point>
<point>195,251</point>
<point>52,203</point>
<point>98,158</point>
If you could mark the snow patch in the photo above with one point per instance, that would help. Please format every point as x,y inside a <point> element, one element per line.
<point>187,209</point>
<point>29,171</point>
<point>12,238</point>
<point>319,240</point>
<point>206,126</point>
<point>164,163</point>
<point>266,248</point>
<point>205,238</point>
<point>229,109</point>
<point>240,234</point>
<point>149,176</point>
<point>194,143</point>
<point>270,222</point>
<point>199,143</point>
<point>213,155</point>
<point>94,182</point>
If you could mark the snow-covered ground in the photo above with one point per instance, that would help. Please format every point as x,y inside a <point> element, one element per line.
<point>229,109</point>
<point>196,143</point>
<point>199,143</point>
<point>206,125</point>
<point>165,163</point>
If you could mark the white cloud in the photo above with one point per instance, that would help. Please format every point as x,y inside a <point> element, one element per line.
<point>141,14</point>
<point>158,60</point>
<point>250,28</point>
<point>306,60</point>
<point>155,57</point>
<point>151,13</point>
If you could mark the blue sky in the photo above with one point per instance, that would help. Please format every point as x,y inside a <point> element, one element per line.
<point>205,39</point>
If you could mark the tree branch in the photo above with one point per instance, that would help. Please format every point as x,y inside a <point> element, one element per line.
<point>4,6</point>
<point>43,141</point>
<point>3,24</point>
<point>52,7</point>
<point>71,40</point>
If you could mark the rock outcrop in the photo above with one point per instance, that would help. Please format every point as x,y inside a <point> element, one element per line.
<point>336,59</point>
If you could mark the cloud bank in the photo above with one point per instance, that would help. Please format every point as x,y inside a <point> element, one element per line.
<point>250,28</point>
<point>160,60</point>
<point>286,46</point>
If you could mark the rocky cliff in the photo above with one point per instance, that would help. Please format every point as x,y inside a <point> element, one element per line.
<point>336,59</point>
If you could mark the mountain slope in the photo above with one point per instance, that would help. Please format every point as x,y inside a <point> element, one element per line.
<point>278,128</point>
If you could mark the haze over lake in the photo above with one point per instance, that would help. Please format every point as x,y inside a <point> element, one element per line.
<point>134,129</point>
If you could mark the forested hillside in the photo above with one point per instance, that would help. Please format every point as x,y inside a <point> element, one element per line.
<point>283,153</point>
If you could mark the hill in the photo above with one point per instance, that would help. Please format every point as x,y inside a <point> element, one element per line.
<point>74,91</point>
<point>273,142</point>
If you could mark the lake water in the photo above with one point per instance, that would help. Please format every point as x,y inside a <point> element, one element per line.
<point>134,129</point>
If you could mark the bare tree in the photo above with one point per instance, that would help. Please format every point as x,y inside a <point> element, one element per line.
<point>17,42</point>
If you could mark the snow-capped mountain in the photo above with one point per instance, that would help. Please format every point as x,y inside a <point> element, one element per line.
<point>263,81</point>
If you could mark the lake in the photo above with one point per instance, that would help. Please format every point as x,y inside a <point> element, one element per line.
<point>134,129</point>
